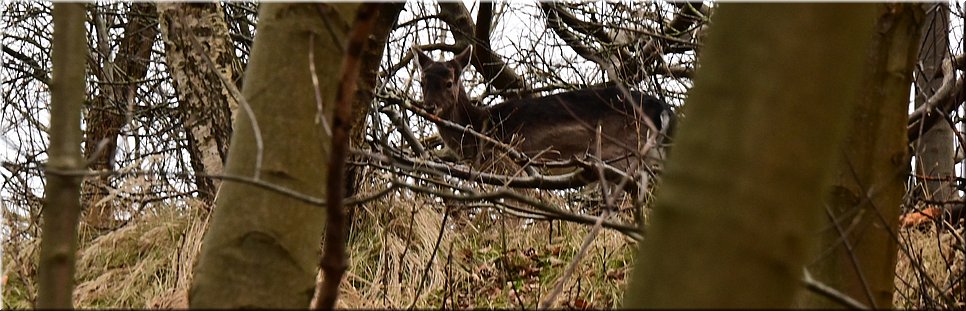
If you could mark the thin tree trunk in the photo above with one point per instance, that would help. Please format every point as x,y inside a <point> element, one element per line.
<point>190,31</point>
<point>733,220</point>
<point>107,114</point>
<point>62,195</point>
<point>372,57</point>
<point>858,254</point>
<point>262,247</point>
<point>934,149</point>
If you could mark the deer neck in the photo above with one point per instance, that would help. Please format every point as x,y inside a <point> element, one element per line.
<point>465,113</point>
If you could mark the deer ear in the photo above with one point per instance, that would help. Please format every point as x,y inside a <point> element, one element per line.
<point>463,58</point>
<point>421,59</point>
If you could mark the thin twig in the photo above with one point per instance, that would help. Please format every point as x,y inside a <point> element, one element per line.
<point>552,297</point>
<point>830,293</point>
<point>334,259</point>
<point>498,195</point>
<point>305,198</point>
<point>856,266</point>
<point>319,107</point>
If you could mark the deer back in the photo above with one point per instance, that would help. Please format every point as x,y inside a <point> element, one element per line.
<point>564,125</point>
<point>554,127</point>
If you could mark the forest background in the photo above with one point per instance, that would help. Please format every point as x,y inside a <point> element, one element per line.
<point>168,86</point>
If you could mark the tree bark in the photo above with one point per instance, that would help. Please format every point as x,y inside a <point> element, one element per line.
<point>107,114</point>
<point>62,194</point>
<point>262,247</point>
<point>733,220</point>
<point>858,252</point>
<point>371,58</point>
<point>934,149</point>
<point>191,30</point>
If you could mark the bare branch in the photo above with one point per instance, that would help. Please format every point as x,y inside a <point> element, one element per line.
<point>38,73</point>
<point>488,63</point>
<point>554,22</point>
<point>688,14</point>
<point>498,195</point>
<point>334,259</point>
<point>554,182</point>
<point>406,132</point>
<point>945,100</point>
<point>619,62</point>
<point>830,293</point>
<point>595,30</point>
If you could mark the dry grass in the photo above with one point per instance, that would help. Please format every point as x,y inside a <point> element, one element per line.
<point>929,273</point>
<point>128,267</point>
<point>480,262</point>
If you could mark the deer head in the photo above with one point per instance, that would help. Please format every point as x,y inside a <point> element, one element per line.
<point>441,86</point>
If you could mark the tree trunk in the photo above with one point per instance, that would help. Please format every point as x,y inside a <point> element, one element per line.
<point>863,203</point>
<point>191,30</point>
<point>934,149</point>
<point>371,58</point>
<point>733,220</point>
<point>262,247</point>
<point>62,195</point>
<point>107,114</point>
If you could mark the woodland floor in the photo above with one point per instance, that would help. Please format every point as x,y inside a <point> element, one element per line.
<point>478,264</point>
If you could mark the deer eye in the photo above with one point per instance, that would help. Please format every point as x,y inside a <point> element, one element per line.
<point>449,84</point>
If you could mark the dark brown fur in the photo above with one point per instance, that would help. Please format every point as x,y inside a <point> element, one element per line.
<point>554,127</point>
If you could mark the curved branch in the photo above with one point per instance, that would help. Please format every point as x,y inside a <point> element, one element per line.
<point>555,22</point>
<point>688,14</point>
<point>623,60</point>
<point>595,30</point>
<point>683,20</point>
<point>488,63</point>
<point>945,100</point>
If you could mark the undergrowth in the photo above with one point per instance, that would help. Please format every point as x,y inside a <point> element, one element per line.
<point>398,259</point>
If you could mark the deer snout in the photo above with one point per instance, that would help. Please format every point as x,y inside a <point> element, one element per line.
<point>431,107</point>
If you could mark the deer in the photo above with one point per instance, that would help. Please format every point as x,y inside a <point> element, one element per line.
<point>606,122</point>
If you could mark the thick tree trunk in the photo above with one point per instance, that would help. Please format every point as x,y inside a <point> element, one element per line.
<point>62,195</point>
<point>740,199</point>
<point>200,58</point>
<point>262,247</point>
<point>858,253</point>
<point>107,114</point>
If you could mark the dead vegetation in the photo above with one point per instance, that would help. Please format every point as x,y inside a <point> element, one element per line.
<point>399,254</point>
<point>930,270</point>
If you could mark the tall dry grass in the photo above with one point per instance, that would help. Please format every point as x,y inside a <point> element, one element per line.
<point>401,255</point>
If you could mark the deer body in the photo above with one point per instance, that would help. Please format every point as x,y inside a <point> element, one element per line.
<point>554,127</point>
